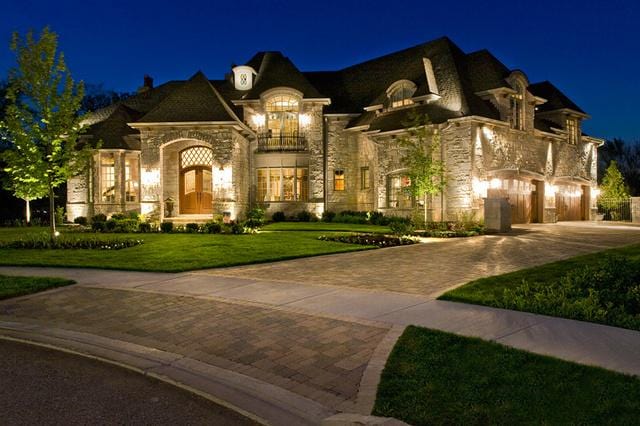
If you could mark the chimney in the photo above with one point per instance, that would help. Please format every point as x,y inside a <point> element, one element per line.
<point>147,84</point>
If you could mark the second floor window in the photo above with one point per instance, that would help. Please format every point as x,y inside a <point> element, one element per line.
<point>572,130</point>
<point>517,108</point>
<point>401,95</point>
<point>282,116</point>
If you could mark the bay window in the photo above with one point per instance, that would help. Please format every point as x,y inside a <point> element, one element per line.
<point>282,184</point>
<point>131,178</point>
<point>107,178</point>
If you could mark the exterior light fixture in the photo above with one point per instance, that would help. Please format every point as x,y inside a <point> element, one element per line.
<point>495,183</point>
<point>258,120</point>
<point>305,120</point>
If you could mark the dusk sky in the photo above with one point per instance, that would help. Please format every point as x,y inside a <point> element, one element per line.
<point>589,49</point>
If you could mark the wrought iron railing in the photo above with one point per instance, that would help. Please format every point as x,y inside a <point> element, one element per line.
<point>282,142</point>
<point>614,209</point>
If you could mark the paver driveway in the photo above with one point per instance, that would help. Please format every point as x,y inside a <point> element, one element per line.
<point>432,268</point>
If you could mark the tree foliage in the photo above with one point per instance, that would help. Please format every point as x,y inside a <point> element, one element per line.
<point>421,158</point>
<point>96,97</point>
<point>42,123</point>
<point>613,186</point>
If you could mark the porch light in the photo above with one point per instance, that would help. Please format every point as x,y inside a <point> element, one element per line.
<point>595,192</point>
<point>549,189</point>
<point>305,120</point>
<point>151,177</point>
<point>258,120</point>
<point>495,183</point>
<point>479,187</point>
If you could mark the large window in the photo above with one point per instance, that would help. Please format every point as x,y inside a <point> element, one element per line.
<point>338,180</point>
<point>131,178</point>
<point>282,116</point>
<point>108,178</point>
<point>282,184</point>
<point>397,195</point>
<point>400,94</point>
<point>572,130</point>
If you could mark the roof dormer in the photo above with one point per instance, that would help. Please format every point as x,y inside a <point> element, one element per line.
<point>243,77</point>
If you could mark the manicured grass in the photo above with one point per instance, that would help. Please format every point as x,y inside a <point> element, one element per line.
<point>178,252</point>
<point>19,286</point>
<point>326,227</point>
<point>488,291</point>
<point>439,378</point>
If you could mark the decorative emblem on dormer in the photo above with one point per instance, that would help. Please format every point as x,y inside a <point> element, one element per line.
<point>243,77</point>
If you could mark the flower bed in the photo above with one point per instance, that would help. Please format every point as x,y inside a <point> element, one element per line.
<point>370,239</point>
<point>434,233</point>
<point>67,242</point>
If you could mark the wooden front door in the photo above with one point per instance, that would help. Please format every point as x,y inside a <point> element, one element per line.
<point>196,191</point>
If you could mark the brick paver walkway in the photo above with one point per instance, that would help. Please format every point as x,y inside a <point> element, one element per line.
<point>320,358</point>
<point>432,268</point>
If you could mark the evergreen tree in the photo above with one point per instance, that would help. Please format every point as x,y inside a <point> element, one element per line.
<point>42,125</point>
<point>613,186</point>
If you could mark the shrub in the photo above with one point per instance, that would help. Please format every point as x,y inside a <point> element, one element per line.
<point>99,218</point>
<point>192,228</point>
<point>252,225</point>
<point>110,225</point>
<point>370,240</point>
<point>237,229</point>
<point>81,220</point>
<point>166,227</point>
<point>327,216</point>
<point>118,216</point>
<point>304,216</point>
<point>97,226</point>
<point>144,227</point>
<point>126,226</point>
<point>278,217</point>
<point>212,227</point>
<point>43,241</point>
<point>401,227</point>
<point>59,215</point>
<point>377,218</point>
<point>256,213</point>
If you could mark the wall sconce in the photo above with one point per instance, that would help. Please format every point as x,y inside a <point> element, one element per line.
<point>305,120</point>
<point>258,120</point>
<point>495,183</point>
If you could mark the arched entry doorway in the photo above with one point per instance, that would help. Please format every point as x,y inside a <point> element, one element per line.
<point>196,186</point>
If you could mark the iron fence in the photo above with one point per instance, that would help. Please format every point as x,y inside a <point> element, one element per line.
<point>614,209</point>
<point>282,142</point>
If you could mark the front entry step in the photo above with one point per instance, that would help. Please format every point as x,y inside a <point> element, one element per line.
<point>189,218</point>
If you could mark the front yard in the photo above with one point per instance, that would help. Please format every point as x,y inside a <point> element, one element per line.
<point>440,378</point>
<point>601,287</point>
<point>177,252</point>
<point>11,286</point>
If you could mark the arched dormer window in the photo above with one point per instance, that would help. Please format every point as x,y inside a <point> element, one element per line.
<point>517,106</point>
<point>282,115</point>
<point>400,93</point>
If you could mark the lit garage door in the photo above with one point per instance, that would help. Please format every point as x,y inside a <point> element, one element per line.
<point>569,202</point>
<point>522,197</point>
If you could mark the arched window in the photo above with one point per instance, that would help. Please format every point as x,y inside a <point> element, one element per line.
<point>282,116</point>
<point>400,93</point>
<point>517,107</point>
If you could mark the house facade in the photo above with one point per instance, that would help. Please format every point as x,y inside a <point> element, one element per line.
<point>271,135</point>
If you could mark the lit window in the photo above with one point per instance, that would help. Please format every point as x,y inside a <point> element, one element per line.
<point>400,94</point>
<point>108,178</point>
<point>282,184</point>
<point>365,178</point>
<point>282,116</point>
<point>572,130</point>
<point>397,194</point>
<point>338,180</point>
<point>517,108</point>
<point>131,178</point>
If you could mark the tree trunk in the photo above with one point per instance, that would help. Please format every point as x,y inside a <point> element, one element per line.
<point>27,211</point>
<point>52,213</point>
<point>425,210</point>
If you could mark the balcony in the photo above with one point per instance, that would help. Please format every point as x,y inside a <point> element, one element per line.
<point>284,142</point>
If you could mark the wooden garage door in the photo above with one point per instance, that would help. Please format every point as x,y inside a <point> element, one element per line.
<point>568,207</point>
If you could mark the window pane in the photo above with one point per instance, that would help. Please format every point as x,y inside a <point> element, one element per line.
<point>108,178</point>
<point>397,195</point>
<point>274,185</point>
<point>190,181</point>
<point>207,184</point>
<point>131,178</point>
<point>338,180</point>
<point>365,178</point>
<point>261,190</point>
<point>287,184</point>
<point>302,184</point>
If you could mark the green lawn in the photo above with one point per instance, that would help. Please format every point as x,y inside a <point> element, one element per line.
<point>19,286</point>
<point>326,227</point>
<point>177,252</point>
<point>490,291</point>
<point>439,378</point>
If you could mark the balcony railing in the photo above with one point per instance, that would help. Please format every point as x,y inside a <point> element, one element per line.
<point>283,142</point>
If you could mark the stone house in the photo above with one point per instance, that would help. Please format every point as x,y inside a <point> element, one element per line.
<point>269,134</point>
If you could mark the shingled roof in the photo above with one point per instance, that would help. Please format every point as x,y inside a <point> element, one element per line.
<point>196,100</point>
<point>112,131</point>
<point>276,70</point>
<point>555,98</point>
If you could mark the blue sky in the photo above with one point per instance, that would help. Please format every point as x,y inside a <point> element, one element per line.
<point>589,49</point>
